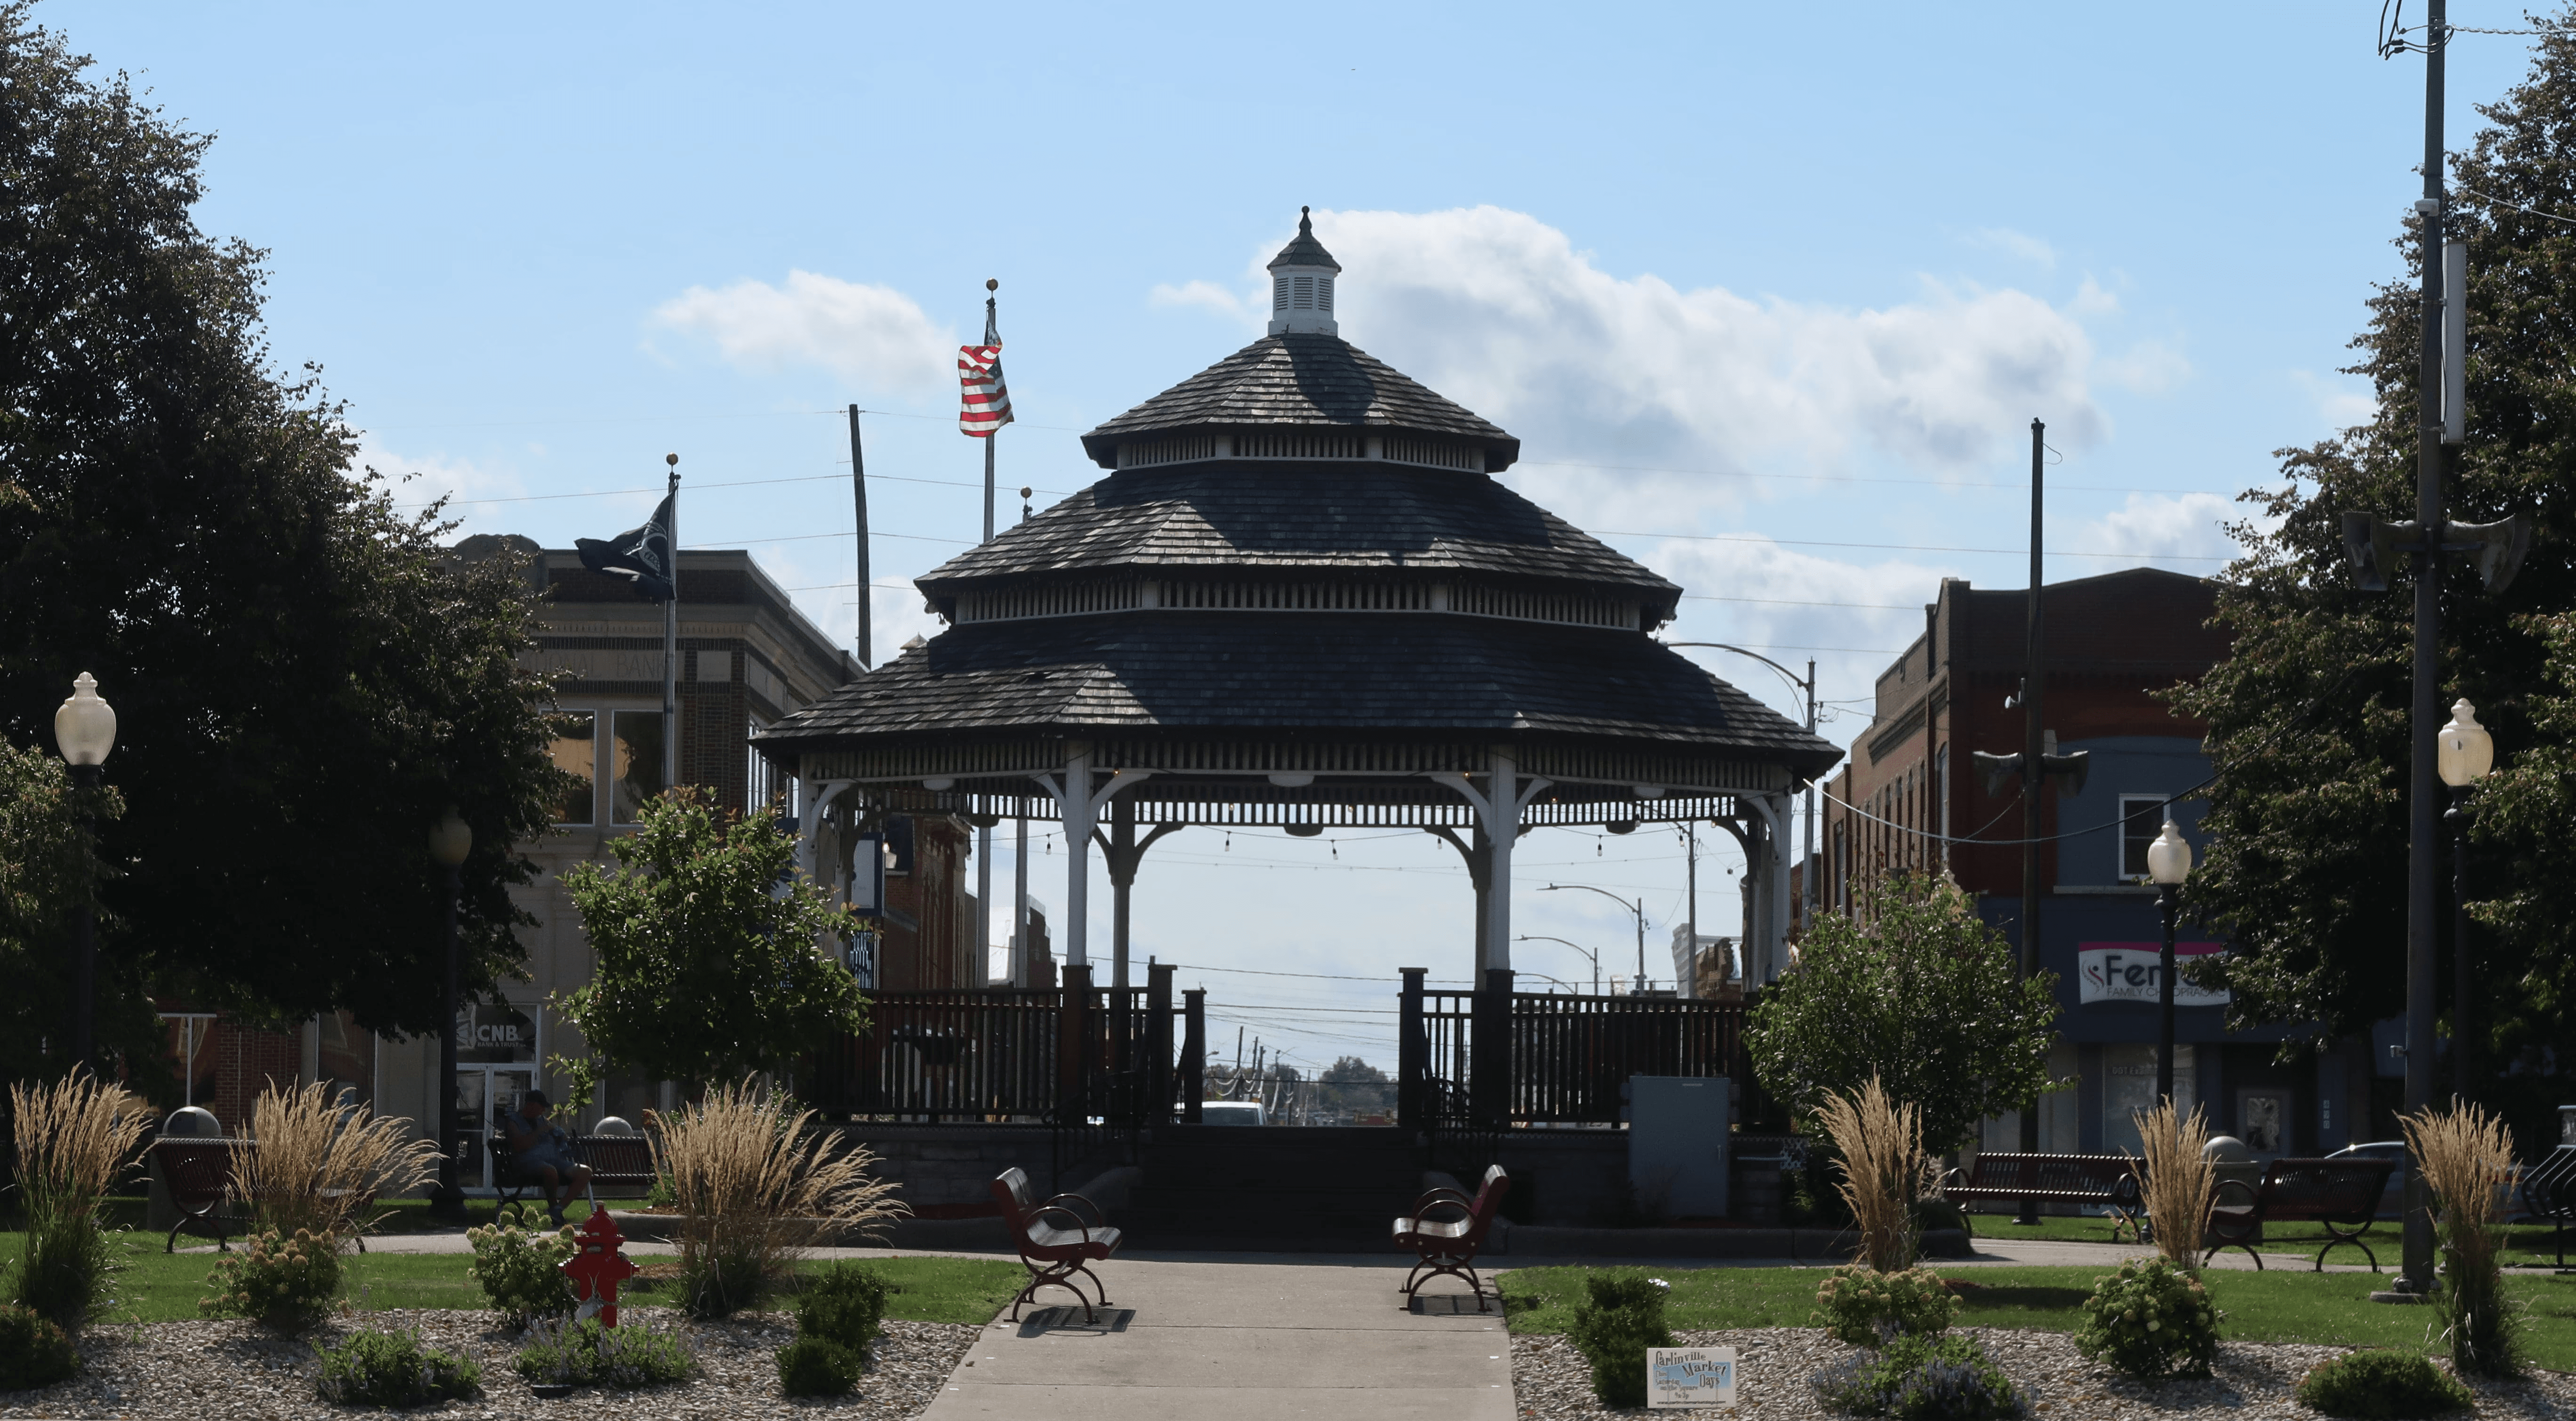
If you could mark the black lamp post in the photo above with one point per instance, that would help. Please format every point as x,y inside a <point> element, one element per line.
<point>85,731</point>
<point>450,840</point>
<point>2168,863</point>
<point>2463,755</point>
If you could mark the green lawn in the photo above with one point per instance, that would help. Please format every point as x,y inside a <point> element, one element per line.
<point>2279,1306</point>
<point>161,1287</point>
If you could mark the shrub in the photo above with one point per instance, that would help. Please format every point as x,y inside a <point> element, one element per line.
<point>818,1366</point>
<point>842,1305</point>
<point>73,1137</point>
<point>2177,1182</point>
<point>2381,1386</point>
<point>1620,1316</point>
<point>752,1178</point>
<point>2148,1319</point>
<point>1879,1147</point>
<point>372,1368</point>
<point>33,1351</point>
<point>287,1283</point>
<point>2466,1156</point>
<point>586,1354</point>
<point>1921,1379</point>
<point>1861,1306</point>
<point>311,1164</point>
<point>521,1272</point>
<point>1937,1213</point>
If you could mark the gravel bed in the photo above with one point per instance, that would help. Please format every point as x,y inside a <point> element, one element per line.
<point>2252,1379</point>
<point>238,1371</point>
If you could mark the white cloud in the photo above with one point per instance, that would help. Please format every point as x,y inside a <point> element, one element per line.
<point>2092,300</point>
<point>1208,294</point>
<point>2150,367</point>
<point>871,335</point>
<point>2183,531</point>
<point>2018,244</point>
<point>1500,311</point>
<point>420,479</point>
<point>2341,402</point>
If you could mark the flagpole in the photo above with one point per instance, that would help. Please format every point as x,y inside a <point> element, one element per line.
<point>984,835</point>
<point>671,640</point>
<point>859,495</point>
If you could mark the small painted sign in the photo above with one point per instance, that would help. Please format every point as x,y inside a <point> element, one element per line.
<point>1690,1376</point>
<point>2127,972</point>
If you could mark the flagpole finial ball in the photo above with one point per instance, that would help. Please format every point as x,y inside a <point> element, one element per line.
<point>1025,491</point>
<point>672,460</point>
<point>992,283</point>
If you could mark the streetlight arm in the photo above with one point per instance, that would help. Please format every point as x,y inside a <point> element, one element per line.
<point>1807,685</point>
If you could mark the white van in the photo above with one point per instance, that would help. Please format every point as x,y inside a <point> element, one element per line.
<point>1233,1112</point>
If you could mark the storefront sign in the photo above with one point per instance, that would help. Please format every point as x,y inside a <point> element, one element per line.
<point>491,1032</point>
<point>2127,972</point>
<point>1690,1376</point>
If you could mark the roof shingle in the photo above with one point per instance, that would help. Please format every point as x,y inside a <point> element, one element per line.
<point>1301,378</point>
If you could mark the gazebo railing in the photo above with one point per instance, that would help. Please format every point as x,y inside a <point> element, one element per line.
<point>1074,1057</point>
<point>1490,1059</point>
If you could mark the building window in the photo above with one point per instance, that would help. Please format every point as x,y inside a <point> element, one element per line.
<point>575,748</point>
<point>2142,817</point>
<point>636,768</point>
<point>767,784</point>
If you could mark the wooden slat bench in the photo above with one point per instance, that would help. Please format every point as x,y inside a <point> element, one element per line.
<point>1448,1246</point>
<point>620,1165</point>
<point>1053,1255</point>
<point>2110,1181</point>
<point>2340,1194</point>
<point>2549,1193</point>
<point>199,1176</point>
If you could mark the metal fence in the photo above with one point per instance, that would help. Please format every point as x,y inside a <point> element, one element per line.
<point>1498,1056</point>
<point>1000,1055</point>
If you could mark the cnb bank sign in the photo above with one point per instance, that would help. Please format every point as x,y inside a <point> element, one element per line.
<point>2129,972</point>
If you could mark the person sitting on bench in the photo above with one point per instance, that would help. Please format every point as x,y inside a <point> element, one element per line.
<point>543,1152</point>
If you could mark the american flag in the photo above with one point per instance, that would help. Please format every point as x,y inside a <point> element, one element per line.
<point>987,404</point>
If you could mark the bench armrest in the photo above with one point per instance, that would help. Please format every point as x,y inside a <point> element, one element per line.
<point>1100,1220</point>
<point>2218,1196</point>
<point>1051,1207</point>
<point>1441,1198</point>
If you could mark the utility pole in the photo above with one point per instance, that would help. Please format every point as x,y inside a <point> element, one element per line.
<point>2034,780</point>
<point>2423,813</point>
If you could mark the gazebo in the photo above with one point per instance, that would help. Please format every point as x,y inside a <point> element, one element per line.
<point>1301,598</point>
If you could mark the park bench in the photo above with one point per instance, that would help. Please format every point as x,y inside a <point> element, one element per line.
<point>1448,1246</point>
<point>620,1165</point>
<point>2342,1195</point>
<point>1053,1255</point>
<point>2549,1193</point>
<point>2110,1181</point>
<point>199,1176</point>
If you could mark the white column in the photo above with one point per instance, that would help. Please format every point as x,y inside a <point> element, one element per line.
<point>1770,952</point>
<point>1079,810</point>
<point>1498,808</point>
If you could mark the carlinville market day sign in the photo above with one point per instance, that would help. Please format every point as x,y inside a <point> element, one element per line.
<point>1690,1376</point>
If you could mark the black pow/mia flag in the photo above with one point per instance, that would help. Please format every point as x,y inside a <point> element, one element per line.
<point>643,554</point>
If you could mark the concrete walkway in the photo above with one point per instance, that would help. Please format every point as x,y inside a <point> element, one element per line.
<point>1243,1337</point>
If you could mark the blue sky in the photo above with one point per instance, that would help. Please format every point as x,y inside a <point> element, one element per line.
<point>1771,293</point>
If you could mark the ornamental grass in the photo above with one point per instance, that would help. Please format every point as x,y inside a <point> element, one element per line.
<point>754,1183</point>
<point>313,1165</point>
<point>2178,1183</point>
<point>1884,1168</point>
<point>2466,1155</point>
<point>73,1139</point>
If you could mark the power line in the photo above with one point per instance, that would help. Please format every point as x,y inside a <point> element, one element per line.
<point>1888,547</point>
<point>1932,483</point>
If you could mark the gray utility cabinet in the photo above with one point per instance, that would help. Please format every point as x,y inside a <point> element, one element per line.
<point>1677,1128</point>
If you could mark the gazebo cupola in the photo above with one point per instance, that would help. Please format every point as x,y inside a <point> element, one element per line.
<point>1301,283</point>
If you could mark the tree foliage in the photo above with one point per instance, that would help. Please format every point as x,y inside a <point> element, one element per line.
<point>302,684</point>
<point>2309,718</point>
<point>44,873</point>
<point>1926,998</point>
<point>706,934</point>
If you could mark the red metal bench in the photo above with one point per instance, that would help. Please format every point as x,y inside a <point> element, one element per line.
<point>1054,1256</point>
<point>1448,1246</point>
<point>2107,1180</point>
<point>2341,1194</point>
<point>199,1177</point>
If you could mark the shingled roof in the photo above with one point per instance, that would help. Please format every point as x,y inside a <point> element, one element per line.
<point>1315,672</point>
<point>1303,249</point>
<point>1301,378</point>
<point>1262,517</point>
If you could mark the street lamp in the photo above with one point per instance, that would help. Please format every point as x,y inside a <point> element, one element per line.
<point>450,840</point>
<point>2463,754</point>
<point>1638,908</point>
<point>1594,957</point>
<point>2168,863</point>
<point>85,731</point>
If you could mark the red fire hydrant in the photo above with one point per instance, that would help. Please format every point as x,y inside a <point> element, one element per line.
<point>599,1267</point>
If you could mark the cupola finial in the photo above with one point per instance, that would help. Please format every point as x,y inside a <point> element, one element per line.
<point>1301,283</point>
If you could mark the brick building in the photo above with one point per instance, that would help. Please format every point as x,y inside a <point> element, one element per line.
<point>2112,643</point>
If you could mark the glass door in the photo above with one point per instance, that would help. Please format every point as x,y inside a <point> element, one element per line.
<point>485,1093</point>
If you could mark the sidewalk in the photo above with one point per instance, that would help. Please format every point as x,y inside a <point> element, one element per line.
<point>1243,1337</point>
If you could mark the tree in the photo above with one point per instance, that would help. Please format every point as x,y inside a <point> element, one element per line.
<point>1351,1070</point>
<point>1927,999</point>
<point>706,934</point>
<point>303,681</point>
<point>2309,717</point>
<point>44,871</point>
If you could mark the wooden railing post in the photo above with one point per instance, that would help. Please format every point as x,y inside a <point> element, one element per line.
<point>1158,1044</point>
<point>1073,1044</point>
<point>1193,1054</point>
<point>1412,1055</point>
<point>1490,1086</point>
